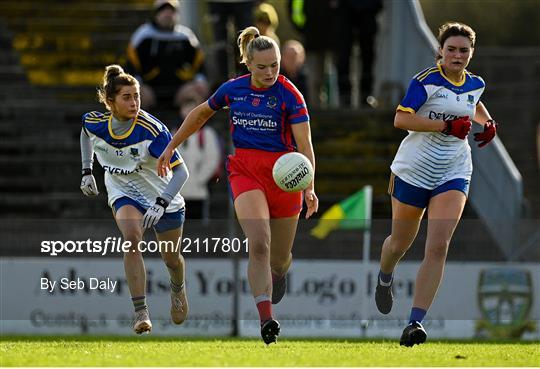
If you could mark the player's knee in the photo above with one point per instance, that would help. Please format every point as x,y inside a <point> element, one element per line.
<point>134,238</point>
<point>259,249</point>
<point>398,247</point>
<point>280,263</point>
<point>437,250</point>
<point>173,263</point>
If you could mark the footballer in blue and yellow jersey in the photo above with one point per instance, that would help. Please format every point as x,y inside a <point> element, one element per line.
<point>429,159</point>
<point>129,160</point>
<point>261,118</point>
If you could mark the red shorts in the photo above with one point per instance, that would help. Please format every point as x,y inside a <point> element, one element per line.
<point>251,169</point>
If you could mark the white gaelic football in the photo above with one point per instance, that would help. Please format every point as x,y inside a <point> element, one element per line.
<point>293,172</point>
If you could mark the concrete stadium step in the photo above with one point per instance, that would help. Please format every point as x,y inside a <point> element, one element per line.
<point>66,77</point>
<point>46,60</point>
<point>18,11</point>
<point>355,126</point>
<point>66,24</point>
<point>47,107</point>
<point>39,147</point>
<point>8,58</point>
<point>352,148</point>
<point>49,204</point>
<point>73,41</point>
<point>12,73</point>
<point>341,168</point>
<point>43,174</point>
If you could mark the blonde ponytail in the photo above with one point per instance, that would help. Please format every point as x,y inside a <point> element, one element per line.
<point>250,40</point>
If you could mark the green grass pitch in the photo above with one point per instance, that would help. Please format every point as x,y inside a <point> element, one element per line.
<point>152,351</point>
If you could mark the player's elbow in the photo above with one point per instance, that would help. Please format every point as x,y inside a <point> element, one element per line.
<point>398,123</point>
<point>401,119</point>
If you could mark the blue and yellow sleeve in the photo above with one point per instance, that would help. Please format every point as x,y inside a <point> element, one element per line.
<point>92,122</point>
<point>415,97</point>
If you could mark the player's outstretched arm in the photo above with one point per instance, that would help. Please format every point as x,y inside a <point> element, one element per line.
<point>193,122</point>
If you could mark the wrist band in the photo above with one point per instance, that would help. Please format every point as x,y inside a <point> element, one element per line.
<point>162,202</point>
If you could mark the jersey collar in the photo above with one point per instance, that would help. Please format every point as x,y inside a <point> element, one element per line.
<point>458,84</point>
<point>125,135</point>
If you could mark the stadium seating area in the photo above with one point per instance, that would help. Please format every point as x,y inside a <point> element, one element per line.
<point>52,55</point>
<point>52,66</point>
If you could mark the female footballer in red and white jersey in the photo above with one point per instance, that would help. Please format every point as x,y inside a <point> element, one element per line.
<point>268,117</point>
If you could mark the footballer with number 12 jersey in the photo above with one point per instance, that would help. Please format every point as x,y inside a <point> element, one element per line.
<point>127,142</point>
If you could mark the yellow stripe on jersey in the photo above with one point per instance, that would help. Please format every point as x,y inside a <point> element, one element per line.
<point>423,77</point>
<point>408,110</point>
<point>426,72</point>
<point>461,81</point>
<point>94,120</point>
<point>175,163</point>
<point>150,121</point>
<point>125,135</point>
<point>147,127</point>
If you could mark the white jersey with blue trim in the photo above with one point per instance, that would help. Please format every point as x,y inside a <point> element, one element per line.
<point>130,160</point>
<point>429,159</point>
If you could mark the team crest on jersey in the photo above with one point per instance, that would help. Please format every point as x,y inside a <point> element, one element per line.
<point>470,101</point>
<point>134,152</point>
<point>256,101</point>
<point>272,102</point>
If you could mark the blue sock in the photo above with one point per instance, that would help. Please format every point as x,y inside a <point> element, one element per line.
<point>385,278</point>
<point>417,315</point>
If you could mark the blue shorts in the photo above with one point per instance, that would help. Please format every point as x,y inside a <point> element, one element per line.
<point>418,196</point>
<point>167,222</point>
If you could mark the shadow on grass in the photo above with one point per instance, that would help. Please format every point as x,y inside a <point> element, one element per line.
<point>146,338</point>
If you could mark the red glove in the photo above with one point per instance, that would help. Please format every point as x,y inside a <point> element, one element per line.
<point>490,130</point>
<point>458,127</point>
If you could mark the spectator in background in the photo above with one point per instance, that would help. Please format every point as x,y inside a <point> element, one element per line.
<point>166,58</point>
<point>317,21</point>
<point>267,21</point>
<point>240,13</point>
<point>358,21</point>
<point>293,57</point>
<point>203,153</point>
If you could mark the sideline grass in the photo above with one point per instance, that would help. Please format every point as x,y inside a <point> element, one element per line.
<point>152,351</point>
